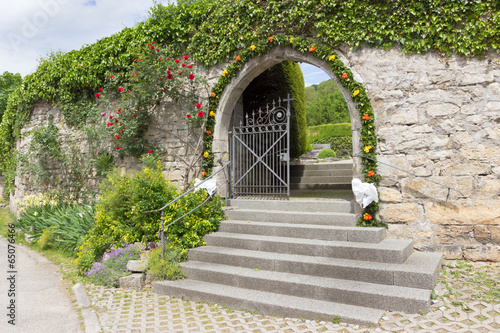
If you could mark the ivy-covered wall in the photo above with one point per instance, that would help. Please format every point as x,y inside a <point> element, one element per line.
<point>426,116</point>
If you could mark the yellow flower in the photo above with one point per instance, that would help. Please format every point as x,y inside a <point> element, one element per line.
<point>291,40</point>
<point>224,72</point>
<point>212,114</point>
<point>354,94</point>
<point>367,149</point>
<point>332,57</point>
<point>206,154</point>
<point>253,47</point>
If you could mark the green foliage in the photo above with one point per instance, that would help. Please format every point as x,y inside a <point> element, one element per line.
<point>113,266</point>
<point>120,218</point>
<point>165,267</point>
<point>57,225</point>
<point>320,133</point>
<point>8,83</point>
<point>325,153</point>
<point>325,104</point>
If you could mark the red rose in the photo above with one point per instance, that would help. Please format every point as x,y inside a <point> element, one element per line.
<point>160,78</point>
<point>133,115</point>
<point>200,114</point>
<point>119,109</point>
<point>188,116</point>
<point>100,89</point>
<point>159,59</point>
<point>117,148</point>
<point>150,151</point>
<point>186,57</point>
<point>111,77</point>
<point>191,76</point>
<point>176,61</point>
<point>190,66</point>
<point>117,137</point>
<point>198,105</point>
<point>183,65</point>
<point>168,71</point>
<point>97,95</point>
<point>110,117</point>
<point>152,47</point>
<point>170,77</point>
<point>152,42</point>
<point>157,50</point>
<point>120,89</point>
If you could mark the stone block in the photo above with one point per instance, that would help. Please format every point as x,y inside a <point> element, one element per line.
<point>135,281</point>
<point>389,195</point>
<point>398,231</point>
<point>441,109</point>
<point>402,213</point>
<point>137,266</point>
<point>421,188</point>
<point>455,235</point>
<point>463,213</point>
<point>495,234</point>
<point>482,253</point>
<point>482,234</point>
<point>394,161</point>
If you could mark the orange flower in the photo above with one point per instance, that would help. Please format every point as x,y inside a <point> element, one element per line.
<point>270,39</point>
<point>203,173</point>
<point>238,58</point>
<point>208,132</point>
<point>212,94</point>
<point>312,49</point>
<point>367,216</point>
<point>370,173</point>
<point>366,117</point>
<point>344,75</point>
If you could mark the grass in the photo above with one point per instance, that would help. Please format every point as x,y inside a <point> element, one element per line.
<point>6,217</point>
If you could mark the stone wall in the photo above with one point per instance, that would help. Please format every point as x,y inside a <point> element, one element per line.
<point>438,118</point>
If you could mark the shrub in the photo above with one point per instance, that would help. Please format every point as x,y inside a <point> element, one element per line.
<point>56,225</point>
<point>165,267</point>
<point>113,266</point>
<point>326,153</point>
<point>120,217</point>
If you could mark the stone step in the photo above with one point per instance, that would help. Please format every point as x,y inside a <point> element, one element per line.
<point>324,218</point>
<point>386,297</point>
<point>321,173</point>
<point>344,165</point>
<point>267,302</point>
<point>388,251</point>
<point>420,270</point>
<point>323,186</point>
<point>308,231</point>
<point>299,205</point>
<point>321,180</point>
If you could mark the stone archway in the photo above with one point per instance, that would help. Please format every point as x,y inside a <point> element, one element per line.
<point>253,68</point>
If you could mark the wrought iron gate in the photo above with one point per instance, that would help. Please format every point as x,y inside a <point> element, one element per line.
<point>260,156</point>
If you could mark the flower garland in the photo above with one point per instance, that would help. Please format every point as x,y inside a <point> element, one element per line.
<point>368,137</point>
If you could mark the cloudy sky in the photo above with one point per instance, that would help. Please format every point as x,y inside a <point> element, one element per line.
<point>30,29</point>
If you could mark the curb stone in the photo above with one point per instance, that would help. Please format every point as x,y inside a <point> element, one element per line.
<point>90,320</point>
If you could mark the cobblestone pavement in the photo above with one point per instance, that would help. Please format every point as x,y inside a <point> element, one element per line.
<point>466,299</point>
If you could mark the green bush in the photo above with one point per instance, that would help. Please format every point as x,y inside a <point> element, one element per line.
<point>165,267</point>
<point>320,133</point>
<point>57,225</point>
<point>120,218</point>
<point>326,153</point>
<point>342,146</point>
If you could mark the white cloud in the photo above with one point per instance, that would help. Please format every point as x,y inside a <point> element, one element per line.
<point>31,28</point>
<point>313,74</point>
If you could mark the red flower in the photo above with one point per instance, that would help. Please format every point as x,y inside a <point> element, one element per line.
<point>200,114</point>
<point>110,117</point>
<point>152,42</point>
<point>238,58</point>
<point>152,47</point>
<point>160,78</point>
<point>208,132</point>
<point>176,61</point>
<point>159,59</point>
<point>97,95</point>
<point>117,148</point>
<point>270,39</point>
<point>190,66</point>
<point>100,89</point>
<point>120,89</point>
<point>157,50</point>
<point>188,116</point>
<point>117,137</point>
<point>198,105</point>
<point>134,115</point>
<point>191,76</point>
<point>366,117</point>
<point>344,75</point>
<point>170,77</point>
<point>370,173</point>
<point>183,65</point>
<point>203,173</point>
<point>111,77</point>
<point>150,151</point>
<point>186,57</point>
<point>212,94</point>
<point>168,71</point>
<point>119,109</point>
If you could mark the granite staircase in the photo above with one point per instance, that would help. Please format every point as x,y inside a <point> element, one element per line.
<point>305,258</point>
<point>321,176</point>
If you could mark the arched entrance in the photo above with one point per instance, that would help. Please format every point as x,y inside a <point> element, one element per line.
<point>253,68</point>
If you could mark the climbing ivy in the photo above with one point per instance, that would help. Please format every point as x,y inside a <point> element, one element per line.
<point>213,31</point>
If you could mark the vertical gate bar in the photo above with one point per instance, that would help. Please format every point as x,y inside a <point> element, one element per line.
<point>233,160</point>
<point>288,146</point>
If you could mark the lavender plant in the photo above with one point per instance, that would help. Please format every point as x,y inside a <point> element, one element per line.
<point>113,266</point>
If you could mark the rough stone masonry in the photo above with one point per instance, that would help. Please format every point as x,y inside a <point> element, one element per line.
<point>437,117</point>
